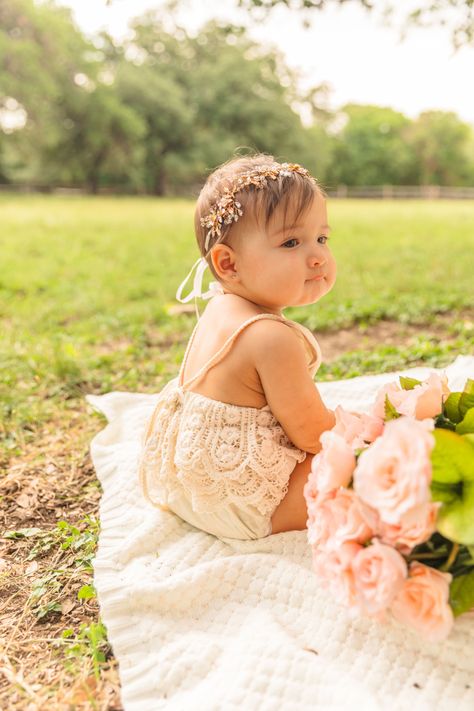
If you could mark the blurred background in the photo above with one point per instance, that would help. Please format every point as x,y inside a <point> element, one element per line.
<point>146,96</point>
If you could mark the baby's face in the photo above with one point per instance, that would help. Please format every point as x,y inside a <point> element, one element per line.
<point>292,266</point>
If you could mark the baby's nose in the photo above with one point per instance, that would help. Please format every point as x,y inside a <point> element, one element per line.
<point>317,258</point>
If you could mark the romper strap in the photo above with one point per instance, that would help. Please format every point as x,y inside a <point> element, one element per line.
<point>217,357</point>
<point>314,349</point>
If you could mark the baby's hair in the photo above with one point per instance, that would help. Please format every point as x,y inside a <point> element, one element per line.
<point>295,188</point>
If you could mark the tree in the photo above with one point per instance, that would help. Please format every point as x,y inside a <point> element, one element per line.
<point>378,146</point>
<point>100,141</point>
<point>32,38</point>
<point>202,96</point>
<point>442,146</point>
<point>371,148</point>
<point>152,112</point>
<point>149,75</point>
<point>458,15</point>
<point>75,126</point>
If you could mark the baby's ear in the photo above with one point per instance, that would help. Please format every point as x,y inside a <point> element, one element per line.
<point>223,261</point>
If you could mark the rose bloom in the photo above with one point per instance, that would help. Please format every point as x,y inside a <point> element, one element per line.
<point>334,569</point>
<point>416,526</point>
<point>332,467</point>
<point>337,516</point>
<point>357,429</point>
<point>393,474</point>
<point>379,574</point>
<point>423,602</point>
<point>423,401</point>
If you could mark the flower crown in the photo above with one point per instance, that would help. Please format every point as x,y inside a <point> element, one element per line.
<point>227,209</point>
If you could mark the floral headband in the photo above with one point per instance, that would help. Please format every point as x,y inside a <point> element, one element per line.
<point>227,210</point>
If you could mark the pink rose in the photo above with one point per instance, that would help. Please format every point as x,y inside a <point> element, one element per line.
<point>332,467</point>
<point>395,394</point>
<point>424,400</point>
<point>379,574</point>
<point>334,569</point>
<point>338,516</point>
<point>357,429</point>
<point>393,474</point>
<point>422,603</point>
<point>415,526</point>
<point>373,427</point>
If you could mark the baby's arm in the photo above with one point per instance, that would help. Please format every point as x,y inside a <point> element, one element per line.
<point>292,395</point>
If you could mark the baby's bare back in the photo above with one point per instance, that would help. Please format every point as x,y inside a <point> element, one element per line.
<point>234,379</point>
<point>266,364</point>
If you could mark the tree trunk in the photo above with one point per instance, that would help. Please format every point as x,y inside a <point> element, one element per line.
<point>93,183</point>
<point>159,183</point>
<point>93,174</point>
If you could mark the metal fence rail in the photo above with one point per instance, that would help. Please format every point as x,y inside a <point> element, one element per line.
<point>393,192</point>
<point>375,192</point>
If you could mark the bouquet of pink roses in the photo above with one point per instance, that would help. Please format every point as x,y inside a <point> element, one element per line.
<point>390,502</point>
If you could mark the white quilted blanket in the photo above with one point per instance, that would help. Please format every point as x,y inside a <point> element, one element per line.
<point>203,624</point>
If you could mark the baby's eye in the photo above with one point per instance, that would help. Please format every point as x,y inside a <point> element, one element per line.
<point>324,237</point>
<point>288,242</point>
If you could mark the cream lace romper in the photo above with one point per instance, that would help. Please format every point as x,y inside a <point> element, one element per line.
<point>222,468</point>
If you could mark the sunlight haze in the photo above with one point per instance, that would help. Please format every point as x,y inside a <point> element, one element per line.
<point>346,47</point>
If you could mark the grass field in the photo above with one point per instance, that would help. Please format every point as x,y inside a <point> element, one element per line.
<point>86,294</point>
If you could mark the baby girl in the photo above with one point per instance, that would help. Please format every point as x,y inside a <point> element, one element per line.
<point>230,443</point>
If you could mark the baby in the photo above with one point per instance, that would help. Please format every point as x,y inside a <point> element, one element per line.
<point>230,443</point>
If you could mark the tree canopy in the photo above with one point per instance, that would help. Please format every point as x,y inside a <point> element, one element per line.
<point>156,111</point>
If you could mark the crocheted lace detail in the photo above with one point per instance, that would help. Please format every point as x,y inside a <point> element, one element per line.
<point>220,453</point>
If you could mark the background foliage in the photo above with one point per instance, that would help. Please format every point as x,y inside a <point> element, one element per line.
<point>154,112</point>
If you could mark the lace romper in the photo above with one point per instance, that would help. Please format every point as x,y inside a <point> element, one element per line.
<point>223,468</point>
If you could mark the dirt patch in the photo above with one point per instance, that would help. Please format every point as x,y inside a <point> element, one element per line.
<point>42,567</point>
<point>337,342</point>
<point>443,328</point>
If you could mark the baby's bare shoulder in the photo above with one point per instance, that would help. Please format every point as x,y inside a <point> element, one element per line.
<point>270,335</point>
<point>230,313</point>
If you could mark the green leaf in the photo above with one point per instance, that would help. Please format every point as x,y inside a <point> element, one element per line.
<point>469,387</point>
<point>452,458</point>
<point>466,401</point>
<point>44,610</point>
<point>22,533</point>
<point>461,594</point>
<point>467,424</point>
<point>86,592</point>
<point>443,492</point>
<point>451,407</point>
<point>408,383</point>
<point>453,484</point>
<point>390,411</point>
<point>456,518</point>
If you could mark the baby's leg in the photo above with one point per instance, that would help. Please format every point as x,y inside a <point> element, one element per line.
<point>291,513</point>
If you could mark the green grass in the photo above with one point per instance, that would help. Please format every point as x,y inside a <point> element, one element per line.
<point>85,284</point>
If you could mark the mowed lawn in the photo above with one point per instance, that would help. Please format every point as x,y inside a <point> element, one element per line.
<point>86,285</point>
